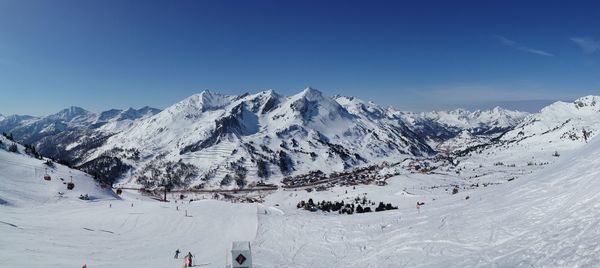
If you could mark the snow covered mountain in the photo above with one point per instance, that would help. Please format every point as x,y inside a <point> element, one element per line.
<point>545,219</point>
<point>527,212</point>
<point>215,140</point>
<point>560,122</point>
<point>51,134</point>
<point>543,137</point>
<point>459,129</point>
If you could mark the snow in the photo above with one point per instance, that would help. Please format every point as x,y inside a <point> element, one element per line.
<point>464,119</point>
<point>71,234</point>
<point>39,228</point>
<point>539,215</point>
<point>303,125</point>
<point>23,183</point>
<point>547,219</point>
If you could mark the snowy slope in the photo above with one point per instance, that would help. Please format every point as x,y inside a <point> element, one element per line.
<point>41,228</point>
<point>560,122</point>
<point>547,219</point>
<point>113,234</point>
<point>22,183</point>
<point>557,128</point>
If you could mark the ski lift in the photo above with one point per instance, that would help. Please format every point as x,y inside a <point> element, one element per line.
<point>47,176</point>
<point>71,185</point>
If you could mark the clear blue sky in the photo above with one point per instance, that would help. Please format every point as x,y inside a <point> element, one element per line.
<point>415,55</point>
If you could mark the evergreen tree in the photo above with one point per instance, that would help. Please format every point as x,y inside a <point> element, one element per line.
<point>381,207</point>
<point>359,209</point>
<point>13,148</point>
<point>262,172</point>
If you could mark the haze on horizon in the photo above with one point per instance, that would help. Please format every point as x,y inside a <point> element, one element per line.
<point>431,55</point>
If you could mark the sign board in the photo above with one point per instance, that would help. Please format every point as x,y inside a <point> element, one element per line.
<point>241,254</point>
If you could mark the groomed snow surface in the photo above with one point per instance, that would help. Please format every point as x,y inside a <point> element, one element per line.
<point>548,219</point>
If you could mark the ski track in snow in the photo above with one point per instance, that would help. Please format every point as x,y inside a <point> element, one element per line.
<point>549,219</point>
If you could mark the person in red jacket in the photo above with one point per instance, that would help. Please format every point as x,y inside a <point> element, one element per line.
<point>189,257</point>
<point>419,207</point>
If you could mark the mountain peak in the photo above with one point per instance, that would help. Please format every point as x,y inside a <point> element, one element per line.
<point>310,89</point>
<point>203,101</point>
<point>311,94</point>
<point>70,113</point>
<point>269,92</point>
<point>74,109</point>
<point>206,92</point>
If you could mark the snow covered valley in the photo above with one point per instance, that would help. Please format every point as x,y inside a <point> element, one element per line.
<point>547,217</point>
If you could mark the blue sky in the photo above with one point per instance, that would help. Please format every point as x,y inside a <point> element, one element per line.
<point>415,55</point>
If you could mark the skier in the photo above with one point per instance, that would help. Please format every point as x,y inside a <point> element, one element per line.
<point>177,254</point>
<point>189,257</point>
<point>418,207</point>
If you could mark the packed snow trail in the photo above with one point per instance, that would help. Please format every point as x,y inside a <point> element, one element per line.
<point>69,234</point>
<point>548,219</point>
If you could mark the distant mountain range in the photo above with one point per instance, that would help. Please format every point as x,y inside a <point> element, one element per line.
<point>213,140</point>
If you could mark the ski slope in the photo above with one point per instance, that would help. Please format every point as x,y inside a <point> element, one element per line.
<point>145,235</point>
<point>549,218</point>
<point>40,228</point>
<point>22,182</point>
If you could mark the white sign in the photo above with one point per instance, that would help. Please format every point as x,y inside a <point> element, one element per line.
<point>241,254</point>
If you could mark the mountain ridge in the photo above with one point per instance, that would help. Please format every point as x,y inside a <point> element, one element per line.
<point>215,140</point>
